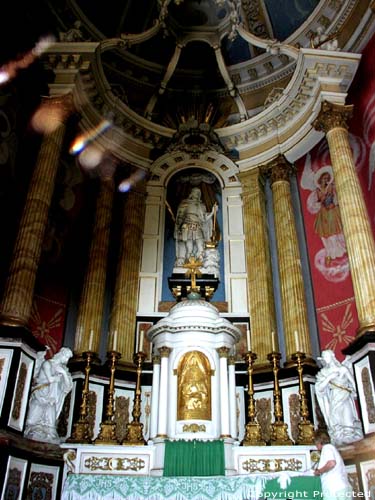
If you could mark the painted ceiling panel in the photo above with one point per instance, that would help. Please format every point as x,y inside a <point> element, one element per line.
<point>286,16</point>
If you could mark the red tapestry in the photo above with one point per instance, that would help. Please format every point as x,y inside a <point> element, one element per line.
<point>333,289</point>
<point>47,322</point>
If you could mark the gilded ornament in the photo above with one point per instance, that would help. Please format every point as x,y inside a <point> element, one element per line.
<point>194,387</point>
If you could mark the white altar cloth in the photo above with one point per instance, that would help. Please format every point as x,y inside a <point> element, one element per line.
<point>111,487</point>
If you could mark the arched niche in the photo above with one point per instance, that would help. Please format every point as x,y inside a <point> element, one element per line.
<point>158,250</point>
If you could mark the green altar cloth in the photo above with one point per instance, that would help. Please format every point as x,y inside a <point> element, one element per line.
<point>114,487</point>
<point>194,458</point>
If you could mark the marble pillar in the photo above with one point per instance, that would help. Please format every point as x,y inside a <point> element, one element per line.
<point>232,397</point>
<point>155,396</point>
<point>19,289</point>
<point>224,391</point>
<point>292,287</point>
<point>163,392</point>
<point>90,313</point>
<point>258,263</point>
<point>124,308</point>
<point>359,238</point>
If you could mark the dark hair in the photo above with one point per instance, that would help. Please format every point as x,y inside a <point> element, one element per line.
<point>321,437</point>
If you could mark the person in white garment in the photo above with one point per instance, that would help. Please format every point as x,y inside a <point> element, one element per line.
<point>331,469</point>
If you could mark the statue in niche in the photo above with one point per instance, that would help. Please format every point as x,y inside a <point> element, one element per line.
<point>52,383</point>
<point>335,391</point>
<point>193,227</point>
<point>194,387</point>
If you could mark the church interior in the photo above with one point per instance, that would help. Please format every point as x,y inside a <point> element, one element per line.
<point>187,278</point>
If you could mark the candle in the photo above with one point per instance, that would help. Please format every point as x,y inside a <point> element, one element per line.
<point>91,340</point>
<point>114,341</point>
<point>248,340</point>
<point>140,343</point>
<point>296,340</point>
<point>273,338</point>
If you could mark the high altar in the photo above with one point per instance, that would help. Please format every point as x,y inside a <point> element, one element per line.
<point>193,448</point>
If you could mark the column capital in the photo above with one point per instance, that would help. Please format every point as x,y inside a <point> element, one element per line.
<point>223,352</point>
<point>165,351</point>
<point>251,181</point>
<point>156,359</point>
<point>279,169</point>
<point>64,104</point>
<point>231,360</point>
<point>333,116</point>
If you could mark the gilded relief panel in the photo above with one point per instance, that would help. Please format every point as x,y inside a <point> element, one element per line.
<point>194,387</point>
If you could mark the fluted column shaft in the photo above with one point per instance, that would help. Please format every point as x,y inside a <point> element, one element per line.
<point>91,306</point>
<point>292,286</point>
<point>155,397</point>
<point>232,397</point>
<point>224,389</point>
<point>124,309</point>
<point>355,220</point>
<point>258,263</point>
<point>19,289</point>
<point>163,392</point>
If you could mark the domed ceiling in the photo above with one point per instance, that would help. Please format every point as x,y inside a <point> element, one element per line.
<point>203,30</point>
<point>155,65</point>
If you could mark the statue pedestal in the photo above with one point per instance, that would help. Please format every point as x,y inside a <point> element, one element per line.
<point>179,284</point>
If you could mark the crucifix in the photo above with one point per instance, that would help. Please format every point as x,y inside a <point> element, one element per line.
<point>193,271</point>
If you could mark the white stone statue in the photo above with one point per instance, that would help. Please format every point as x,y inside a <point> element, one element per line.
<point>336,393</point>
<point>52,382</point>
<point>192,228</point>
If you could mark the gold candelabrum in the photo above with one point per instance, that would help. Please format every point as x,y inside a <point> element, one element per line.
<point>279,429</point>
<point>107,433</point>
<point>134,430</point>
<point>82,433</point>
<point>253,434</point>
<point>305,427</point>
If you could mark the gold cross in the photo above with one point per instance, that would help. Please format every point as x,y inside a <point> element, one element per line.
<point>193,270</point>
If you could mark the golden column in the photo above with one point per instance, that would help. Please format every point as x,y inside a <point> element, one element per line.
<point>124,308</point>
<point>19,289</point>
<point>258,263</point>
<point>292,286</point>
<point>90,314</point>
<point>355,221</point>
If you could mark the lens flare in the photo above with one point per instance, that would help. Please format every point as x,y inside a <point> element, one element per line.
<point>83,140</point>
<point>128,183</point>
<point>9,70</point>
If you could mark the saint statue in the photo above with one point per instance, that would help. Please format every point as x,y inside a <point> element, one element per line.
<point>336,393</point>
<point>52,382</point>
<point>193,227</point>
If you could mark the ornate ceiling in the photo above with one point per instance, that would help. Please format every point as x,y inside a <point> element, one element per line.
<point>254,72</point>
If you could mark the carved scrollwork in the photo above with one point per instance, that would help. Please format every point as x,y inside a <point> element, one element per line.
<point>272,465</point>
<point>194,428</point>
<point>114,463</point>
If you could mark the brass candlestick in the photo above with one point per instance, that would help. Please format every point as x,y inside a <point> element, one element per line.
<point>134,430</point>
<point>305,427</point>
<point>279,429</point>
<point>107,433</point>
<point>81,429</point>
<point>253,435</point>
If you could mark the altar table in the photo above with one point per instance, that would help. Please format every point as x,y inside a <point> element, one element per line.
<point>100,486</point>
